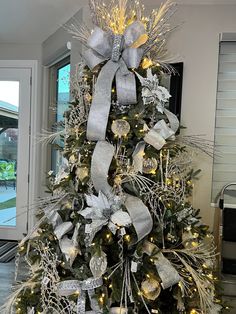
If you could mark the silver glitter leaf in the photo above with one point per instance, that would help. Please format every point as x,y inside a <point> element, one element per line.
<point>121,218</point>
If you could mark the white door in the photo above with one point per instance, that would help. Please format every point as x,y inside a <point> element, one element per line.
<point>15,100</point>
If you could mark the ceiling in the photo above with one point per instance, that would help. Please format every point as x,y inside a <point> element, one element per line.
<point>32,21</point>
<point>195,2</point>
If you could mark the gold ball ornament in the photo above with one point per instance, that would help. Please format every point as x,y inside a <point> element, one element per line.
<point>120,127</point>
<point>82,173</point>
<point>72,159</point>
<point>151,289</point>
<point>149,165</point>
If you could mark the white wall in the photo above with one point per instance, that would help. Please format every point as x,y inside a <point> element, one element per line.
<point>197,43</point>
<point>20,52</point>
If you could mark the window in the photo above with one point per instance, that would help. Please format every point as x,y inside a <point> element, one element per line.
<point>60,97</point>
<point>224,168</point>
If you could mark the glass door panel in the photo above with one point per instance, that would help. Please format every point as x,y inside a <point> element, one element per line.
<point>9,111</point>
<point>14,151</point>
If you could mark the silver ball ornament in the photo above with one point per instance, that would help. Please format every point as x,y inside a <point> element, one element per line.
<point>120,127</point>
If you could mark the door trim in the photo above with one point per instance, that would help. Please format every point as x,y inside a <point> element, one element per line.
<point>35,129</point>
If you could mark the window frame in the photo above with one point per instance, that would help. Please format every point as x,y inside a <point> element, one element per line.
<point>53,101</point>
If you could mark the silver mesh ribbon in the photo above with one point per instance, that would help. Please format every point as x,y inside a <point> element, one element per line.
<point>174,121</point>
<point>118,310</point>
<point>116,49</point>
<point>69,287</point>
<point>168,274</point>
<point>101,160</point>
<point>140,216</point>
<point>121,52</point>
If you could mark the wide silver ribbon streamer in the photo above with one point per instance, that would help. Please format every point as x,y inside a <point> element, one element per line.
<point>174,121</point>
<point>100,108</point>
<point>118,310</point>
<point>139,213</point>
<point>140,216</point>
<point>138,157</point>
<point>69,287</point>
<point>101,160</point>
<point>70,247</point>
<point>168,274</point>
<point>121,52</point>
<point>62,229</point>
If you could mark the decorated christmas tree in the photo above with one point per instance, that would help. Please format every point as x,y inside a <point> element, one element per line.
<point>118,233</point>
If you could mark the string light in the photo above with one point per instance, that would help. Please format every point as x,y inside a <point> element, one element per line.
<point>194,244</point>
<point>147,63</point>
<point>101,300</point>
<point>210,276</point>
<point>108,236</point>
<point>127,238</point>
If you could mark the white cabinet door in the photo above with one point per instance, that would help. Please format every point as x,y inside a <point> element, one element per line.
<point>15,109</point>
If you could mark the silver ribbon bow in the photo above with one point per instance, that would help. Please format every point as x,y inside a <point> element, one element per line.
<point>158,134</point>
<point>69,287</point>
<point>121,52</point>
<point>168,274</point>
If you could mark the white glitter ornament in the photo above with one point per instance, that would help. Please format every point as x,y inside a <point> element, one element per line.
<point>151,289</point>
<point>98,264</point>
<point>120,127</point>
<point>149,165</point>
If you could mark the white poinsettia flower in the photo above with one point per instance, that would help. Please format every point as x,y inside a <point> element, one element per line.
<point>152,92</point>
<point>104,212</point>
<point>63,172</point>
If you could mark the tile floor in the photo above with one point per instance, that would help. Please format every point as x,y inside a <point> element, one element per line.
<point>7,273</point>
